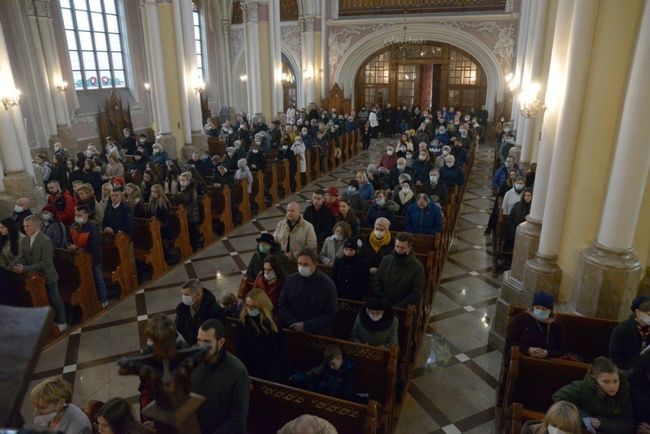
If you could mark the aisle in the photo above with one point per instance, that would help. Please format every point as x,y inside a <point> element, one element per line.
<point>455,373</point>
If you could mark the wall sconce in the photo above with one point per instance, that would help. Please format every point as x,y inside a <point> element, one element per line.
<point>243,78</point>
<point>147,87</point>
<point>11,100</point>
<point>531,107</point>
<point>307,75</point>
<point>198,85</point>
<point>61,86</point>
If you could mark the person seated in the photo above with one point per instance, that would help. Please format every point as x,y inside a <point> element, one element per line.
<point>393,180</point>
<point>503,173</point>
<point>381,207</point>
<point>376,324</point>
<point>513,196</point>
<point>256,159</point>
<point>538,332</point>
<point>294,233</point>
<point>196,163</point>
<point>114,167</point>
<point>440,160</point>
<point>159,157</point>
<point>333,245</point>
<point>271,278</point>
<point>374,178</point>
<point>332,200</point>
<point>116,416</point>
<point>459,153</point>
<point>423,217</point>
<point>389,160</point>
<point>639,378</point>
<point>231,305</point>
<point>400,276</point>
<point>10,238</point>
<point>307,423</point>
<point>261,341</point>
<point>351,273</point>
<point>404,196</point>
<point>602,398</point>
<point>435,188</point>
<point>347,215</point>
<point>518,215</point>
<point>308,299</point>
<point>631,336</point>
<point>365,189</point>
<point>451,174</point>
<point>561,417</point>
<point>421,168</point>
<point>53,228</point>
<point>21,210</point>
<point>133,198</point>
<point>197,306</point>
<point>321,217</point>
<point>335,377</point>
<point>377,245</point>
<point>53,408</point>
<point>244,173</point>
<point>352,194</point>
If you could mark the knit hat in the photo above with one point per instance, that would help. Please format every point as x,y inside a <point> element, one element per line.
<point>544,299</point>
<point>119,180</point>
<point>404,177</point>
<point>636,302</point>
<point>333,191</point>
<point>351,243</point>
<point>383,222</point>
<point>50,208</point>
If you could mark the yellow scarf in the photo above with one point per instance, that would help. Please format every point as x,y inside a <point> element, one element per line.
<point>376,243</point>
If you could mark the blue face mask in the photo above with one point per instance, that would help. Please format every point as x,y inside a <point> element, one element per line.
<point>381,202</point>
<point>253,312</point>
<point>400,167</point>
<point>541,315</point>
<point>351,190</point>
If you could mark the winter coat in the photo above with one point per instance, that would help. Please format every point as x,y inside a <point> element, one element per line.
<point>400,280</point>
<point>452,176</point>
<point>264,353</point>
<point>322,219</point>
<point>351,275</point>
<point>332,250</point>
<point>625,343</point>
<point>427,221</point>
<point>526,332</point>
<point>382,333</point>
<point>292,239</point>
<point>322,379</point>
<point>188,325</point>
<point>375,211</point>
<point>188,198</point>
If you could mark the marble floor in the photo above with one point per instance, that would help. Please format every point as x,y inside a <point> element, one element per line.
<point>452,389</point>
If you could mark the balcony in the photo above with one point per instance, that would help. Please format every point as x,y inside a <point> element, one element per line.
<point>349,8</point>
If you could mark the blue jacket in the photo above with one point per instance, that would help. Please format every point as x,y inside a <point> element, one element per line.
<point>124,216</point>
<point>421,171</point>
<point>502,176</point>
<point>442,138</point>
<point>367,191</point>
<point>427,221</point>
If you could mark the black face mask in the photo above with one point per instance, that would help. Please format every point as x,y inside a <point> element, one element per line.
<point>400,255</point>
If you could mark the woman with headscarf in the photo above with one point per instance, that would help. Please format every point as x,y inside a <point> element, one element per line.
<point>376,324</point>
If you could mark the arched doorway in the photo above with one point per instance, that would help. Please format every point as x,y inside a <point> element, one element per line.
<point>289,88</point>
<point>435,75</point>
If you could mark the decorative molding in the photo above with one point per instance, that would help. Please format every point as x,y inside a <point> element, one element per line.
<point>87,119</point>
<point>237,43</point>
<point>306,24</point>
<point>43,8</point>
<point>290,35</point>
<point>338,41</point>
<point>30,10</point>
<point>250,11</point>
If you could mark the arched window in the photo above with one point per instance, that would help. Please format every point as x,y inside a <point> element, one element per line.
<point>197,41</point>
<point>94,43</point>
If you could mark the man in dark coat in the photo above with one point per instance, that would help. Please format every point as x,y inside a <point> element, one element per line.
<point>321,217</point>
<point>198,305</point>
<point>21,210</point>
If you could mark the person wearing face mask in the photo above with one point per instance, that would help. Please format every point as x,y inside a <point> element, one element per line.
<point>333,245</point>
<point>21,210</point>
<point>244,173</point>
<point>262,345</point>
<point>351,273</point>
<point>459,153</point>
<point>197,305</point>
<point>602,398</point>
<point>400,276</point>
<point>514,195</point>
<point>53,408</point>
<point>434,188</point>
<point>405,196</point>
<point>352,194</point>
<point>308,301</point>
<point>561,418</point>
<point>160,157</point>
<point>53,228</point>
<point>423,217</point>
<point>631,336</point>
<point>376,324</point>
<point>389,159</point>
<point>59,149</point>
<point>266,246</point>
<point>381,207</point>
<point>271,278</point>
<point>440,160</point>
<point>256,159</point>
<point>229,159</point>
<point>374,178</point>
<point>377,245</point>
<point>320,216</point>
<point>451,174</point>
<point>442,136</point>
<point>223,380</point>
<point>421,168</point>
<point>394,178</point>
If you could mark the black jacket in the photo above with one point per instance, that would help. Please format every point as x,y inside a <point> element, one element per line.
<point>322,220</point>
<point>351,275</point>
<point>264,354</point>
<point>188,326</point>
<point>440,190</point>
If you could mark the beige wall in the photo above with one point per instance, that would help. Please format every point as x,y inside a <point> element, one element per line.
<point>611,56</point>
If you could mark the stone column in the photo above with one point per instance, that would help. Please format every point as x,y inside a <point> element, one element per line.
<point>608,273</point>
<point>308,60</point>
<point>522,35</point>
<point>228,83</point>
<point>185,69</point>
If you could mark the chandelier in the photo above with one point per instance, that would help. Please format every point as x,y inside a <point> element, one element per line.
<point>407,47</point>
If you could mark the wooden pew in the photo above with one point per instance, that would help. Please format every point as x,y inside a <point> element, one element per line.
<point>271,181</point>
<point>76,281</point>
<point>256,196</point>
<point>297,177</point>
<point>272,405</point>
<point>216,146</point>
<point>147,244</point>
<point>499,248</point>
<point>131,177</point>
<point>241,200</point>
<point>520,415</point>
<point>221,201</point>
<point>284,177</point>
<point>532,382</point>
<point>308,153</point>
<point>116,262</point>
<point>205,213</point>
<point>376,367</point>
<point>179,225</point>
<point>313,164</point>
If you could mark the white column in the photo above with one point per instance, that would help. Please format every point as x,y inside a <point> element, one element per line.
<point>324,92</point>
<point>183,68</point>
<point>157,67</point>
<point>253,68</point>
<point>147,45</point>
<point>524,20</point>
<point>632,157</point>
<point>53,69</point>
<point>193,98</point>
<point>569,110</point>
<point>524,75</point>
<point>43,84</point>
<point>227,83</point>
<point>308,61</point>
<point>276,56</point>
<point>552,100</point>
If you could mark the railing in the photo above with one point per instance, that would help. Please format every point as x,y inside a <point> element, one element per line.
<point>372,7</point>
<point>288,11</point>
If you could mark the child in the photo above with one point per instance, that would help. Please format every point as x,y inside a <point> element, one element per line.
<point>335,377</point>
<point>231,305</point>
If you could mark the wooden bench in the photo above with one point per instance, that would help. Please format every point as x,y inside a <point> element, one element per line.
<point>216,146</point>
<point>205,214</point>
<point>313,164</point>
<point>271,181</point>
<point>499,248</point>
<point>221,202</point>
<point>240,200</point>
<point>147,244</point>
<point>297,175</point>
<point>256,196</point>
<point>532,382</point>
<point>284,177</point>
<point>179,225</point>
<point>77,284</point>
<point>272,405</point>
<point>521,415</point>
<point>116,262</point>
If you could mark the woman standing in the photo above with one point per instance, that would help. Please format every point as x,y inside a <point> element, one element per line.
<point>134,200</point>
<point>53,228</point>
<point>92,175</point>
<point>187,197</point>
<point>333,245</point>
<point>159,207</point>
<point>271,278</point>
<point>347,215</point>
<point>631,336</point>
<point>351,273</point>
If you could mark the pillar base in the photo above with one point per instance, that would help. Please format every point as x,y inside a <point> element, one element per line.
<point>607,281</point>
<point>168,142</point>
<point>644,286</point>
<point>65,136</point>
<point>541,273</point>
<point>199,143</point>
<point>526,244</point>
<point>19,185</point>
<point>512,292</point>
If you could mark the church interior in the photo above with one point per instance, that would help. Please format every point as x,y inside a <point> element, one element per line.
<point>566,79</point>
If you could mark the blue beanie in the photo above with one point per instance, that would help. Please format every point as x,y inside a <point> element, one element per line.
<point>544,299</point>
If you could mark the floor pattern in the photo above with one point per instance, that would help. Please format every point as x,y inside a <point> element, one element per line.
<point>452,390</point>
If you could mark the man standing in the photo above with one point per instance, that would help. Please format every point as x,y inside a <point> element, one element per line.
<point>400,276</point>
<point>308,301</point>
<point>62,201</point>
<point>223,380</point>
<point>294,232</point>
<point>321,217</point>
<point>118,216</point>
<point>38,255</point>
<point>198,305</point>
<point>85,235</point>
<point>21,210</point>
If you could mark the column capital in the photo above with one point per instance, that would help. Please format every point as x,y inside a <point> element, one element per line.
<point>307,24</point>
<point>30,10</point>
<point>43,8</point>
<point>250,11</point>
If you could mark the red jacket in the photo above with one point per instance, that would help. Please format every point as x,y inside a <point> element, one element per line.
<point>64,205</point>
<point>272,290</point>
<point>388,161</point>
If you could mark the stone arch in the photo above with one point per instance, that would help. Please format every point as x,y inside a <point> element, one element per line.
<point>297,68</point>
<point>355,57</point>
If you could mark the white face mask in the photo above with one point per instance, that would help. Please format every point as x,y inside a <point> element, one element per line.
<point>374,317</point>
<point>338,237</point>
<point>19,209</point>
<point>390,153</point>
<point>80,220</point>
<point>187,300</point>
<point>304,271</point>
<point>644,318</point>
<point>553,430</point>
<point>379,234</point>
<point>450,164</point>
<point>47,217</point>
<point>45,419</point>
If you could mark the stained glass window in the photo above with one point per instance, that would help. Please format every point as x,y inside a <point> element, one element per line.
<point>94,42</point>
<point>197,41</point>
